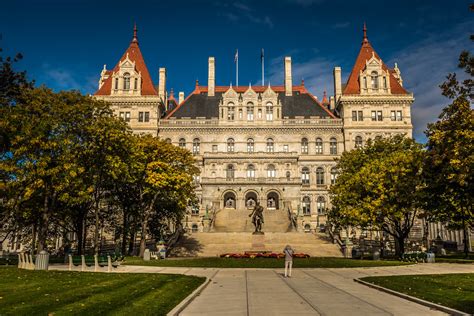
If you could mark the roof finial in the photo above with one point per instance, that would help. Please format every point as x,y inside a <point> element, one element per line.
<point>135,38</point>
<point>365,39</point>
<point>171,94</point>
<point>197,83</point>
<point>302,82</point>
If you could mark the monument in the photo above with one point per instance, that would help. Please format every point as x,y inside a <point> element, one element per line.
<point>257,218</point>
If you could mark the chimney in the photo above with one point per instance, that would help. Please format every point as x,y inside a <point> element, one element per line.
<point>181,97</point>
<point>337,83</point>
<point>162,84</point>
<point>288,80</point>
<point>211,79</point>
<point>332,104</point>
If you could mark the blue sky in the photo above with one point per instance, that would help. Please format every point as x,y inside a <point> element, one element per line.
<point>66,43</point>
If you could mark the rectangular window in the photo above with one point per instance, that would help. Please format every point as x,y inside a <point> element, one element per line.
<point>374,115</point>
<point>230,113</point>
<point>285,148</point>
<point>136,84</point>
<point>147,116</point>
<point>399,115</point>
<point>354,115</point>
<point>385,82</point>
<point>122,115</point>
<point>240,114</point>
<point>392,116</point>
<point>259,113</point>
<point>269,113</point>
<point>127,116</point>
<point>379,116</point>
<point>360,116</point>
<point>249,113</point>
<point>140,116</point>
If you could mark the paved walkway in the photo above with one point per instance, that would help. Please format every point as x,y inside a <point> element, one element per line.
<point>308,292</point>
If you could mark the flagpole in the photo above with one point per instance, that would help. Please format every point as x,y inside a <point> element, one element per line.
<point>237,69</point>
<point>263,67</point>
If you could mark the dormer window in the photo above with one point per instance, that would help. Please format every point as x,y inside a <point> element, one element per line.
<point>374,78</point>
<point>116,83</point>
<point>126,81</point>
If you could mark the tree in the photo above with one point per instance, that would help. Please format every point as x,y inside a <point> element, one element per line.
<point>380,186</point>
<point>449,164</point>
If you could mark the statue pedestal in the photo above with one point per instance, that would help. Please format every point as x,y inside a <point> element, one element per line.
<point>206,225</point>
<point>258,233</point>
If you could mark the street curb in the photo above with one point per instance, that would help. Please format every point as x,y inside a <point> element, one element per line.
<point>442,308</point>
<point>184,303</point>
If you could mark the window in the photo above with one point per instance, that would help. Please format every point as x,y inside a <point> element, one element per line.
<point>196,179</point>
<point>365,82</point>
<point>393,116</point>
<point>135,87</point>
<point>143,116</point>
<point>305,175</point>
<point>385,82</point>
<point>304,146</point>
<point>288,176</point>
<point>285,148</point>
<point>122,115</point>
<point>259,113</point>
<point>333,175</point>
<point>168,140</point>
<point>196,146</point>
<point>306,205</point>
<point>321,205</point>
<point>373,115</point>
<point>116,83</point>
<point>319,146</point>
<point>230,111</point>
<point>333,146</point>
<point>147,116</point>
<point>357,116</point>
<point>374,80</point>
<point>229,172</point>
<point>250,145</point>
<point>271,171</point>
<point>182,143</point>
<point>358,142</point>
<point>399,115</point>
<point>214,148</point>
<point>377,116</point>
<point>269,111</point>
<point>230,145</point>
<point>320,176</point>
<point>270,145</point>
<point>127,116</point>
<point>195,210</point>
<point>251,172</point>
<point>126,81</point>
<point>240,114</point>
<point>354,115</point>
<point>250,112</point>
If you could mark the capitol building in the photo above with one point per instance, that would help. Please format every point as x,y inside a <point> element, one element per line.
<point>273,144</point>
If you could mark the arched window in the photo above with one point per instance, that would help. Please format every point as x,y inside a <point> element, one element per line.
<point>374,80</point>
<point>126,81</point>
<point>273,200</point>
<point>230,145</point>
<point>333,175</point>
<point>288,176</point>
<point>271,171</point>
<point>270,145</point>
<point>321,205</point>
<point>333,146</point>
<point>196,146</point>
<point>182,142</point>
<point>358,142</point>
<point>304,146</point>
<point>319,146</point>
<point>251,172</point>
<point>168,140</point>
<point>194,228</point>
<point>250,111</point>
<point>306,205</point>
<point>229,172</point>
<point>269,111</point>
<point>307,228</point>
<point>305,175</point>
<point>230,111</point>
<point>250,199</point>
<point>250,145</point>
<point>320,176</point>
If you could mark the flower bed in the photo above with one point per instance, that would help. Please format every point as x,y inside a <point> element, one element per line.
<point>261,255</point>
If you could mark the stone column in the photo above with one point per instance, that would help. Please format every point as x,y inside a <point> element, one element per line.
<point>288,77</point>
<point>211,79</point>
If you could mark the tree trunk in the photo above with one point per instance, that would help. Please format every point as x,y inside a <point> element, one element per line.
<point>33,237</point>
<point>96,230</point>
<point>399,246</point>
<point>84,236</point>
<point>124,232</point>
<point>143,236</point>
<point>43,226</point>
<point>466,239</point>
<point>80,235</point>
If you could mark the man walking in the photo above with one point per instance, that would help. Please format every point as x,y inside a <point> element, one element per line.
<point>288,251</point>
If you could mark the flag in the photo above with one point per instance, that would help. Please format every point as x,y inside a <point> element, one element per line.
<point>236,58</point>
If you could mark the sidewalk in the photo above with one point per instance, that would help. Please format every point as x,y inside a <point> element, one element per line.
<point>308,292</point>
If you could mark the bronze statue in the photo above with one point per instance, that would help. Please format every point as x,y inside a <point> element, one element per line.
<point>257,218</point>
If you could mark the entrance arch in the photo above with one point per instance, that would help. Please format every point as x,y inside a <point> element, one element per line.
<point>229,200</point>
<point>273,200</point>
<point>251,199</point>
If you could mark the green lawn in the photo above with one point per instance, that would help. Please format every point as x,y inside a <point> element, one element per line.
<point>261,263</point>
<point>455,258</point>
<point>451,290</point>
<point>24,292</point>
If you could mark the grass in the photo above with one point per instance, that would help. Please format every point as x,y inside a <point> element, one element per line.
<point>455,258</point>
<point>451,290</point>
<point>24,292</point>
<point>216,262</point>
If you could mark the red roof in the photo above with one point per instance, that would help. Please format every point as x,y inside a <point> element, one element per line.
<point>135,55</point>
<point>365,53</point>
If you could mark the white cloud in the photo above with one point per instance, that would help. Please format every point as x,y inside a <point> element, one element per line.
<point>63,79</point>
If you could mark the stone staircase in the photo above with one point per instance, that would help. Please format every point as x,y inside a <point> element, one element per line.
<point>230,220</point>
<point>217,243</point>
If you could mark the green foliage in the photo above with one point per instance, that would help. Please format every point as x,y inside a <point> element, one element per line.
<point>380,186</point>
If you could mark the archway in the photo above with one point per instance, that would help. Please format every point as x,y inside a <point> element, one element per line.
<point>251,199</point>
<point>229,200</point>
<point>273,200</point>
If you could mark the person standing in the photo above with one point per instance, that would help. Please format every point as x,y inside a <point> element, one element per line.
<point>288,251</point>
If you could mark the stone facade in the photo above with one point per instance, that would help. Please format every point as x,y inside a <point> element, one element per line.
<point>275,144</point>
